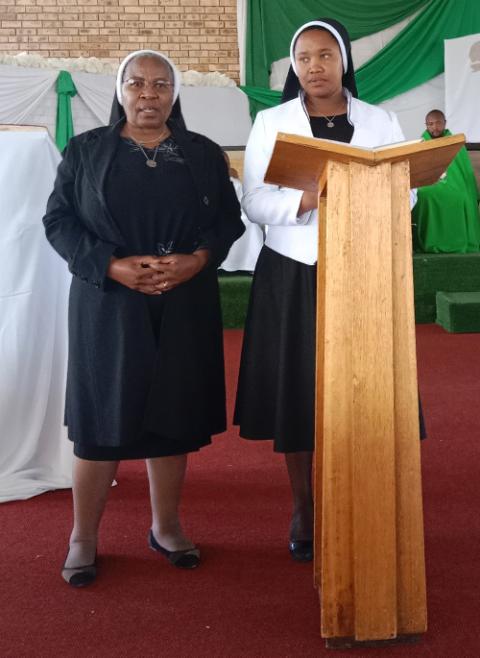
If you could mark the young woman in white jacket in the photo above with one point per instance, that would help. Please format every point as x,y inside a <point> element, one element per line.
<point>276,387</point>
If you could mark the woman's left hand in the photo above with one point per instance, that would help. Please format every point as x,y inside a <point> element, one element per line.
<point>175,269</point>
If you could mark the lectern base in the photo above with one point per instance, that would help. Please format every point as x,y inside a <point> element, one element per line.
<point>352,643</point>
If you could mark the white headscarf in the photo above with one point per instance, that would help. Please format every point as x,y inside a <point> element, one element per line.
<point>332,31</point>
<point>176,73</point>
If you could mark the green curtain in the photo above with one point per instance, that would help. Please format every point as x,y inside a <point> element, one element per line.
<point>271,25</point>
<point>416,54</point>
<point>65,89</point>
<point>413,57</point>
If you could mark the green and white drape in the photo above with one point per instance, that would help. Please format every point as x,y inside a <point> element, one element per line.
<point>32,87</point>
<point>411,58</point>
<point>27,97</point>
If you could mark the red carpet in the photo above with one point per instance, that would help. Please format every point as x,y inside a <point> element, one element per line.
<point>248,598</point>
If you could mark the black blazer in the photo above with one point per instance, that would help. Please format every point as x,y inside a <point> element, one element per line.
<point>80,227</point>
<point>121,381</point>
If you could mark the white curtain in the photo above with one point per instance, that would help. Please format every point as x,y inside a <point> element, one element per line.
<point>242,36</point>
<point>462,85</point>
<point>96,91</point>
<point>412,106</point>
<point>22,90</point>
<point>35,455</point>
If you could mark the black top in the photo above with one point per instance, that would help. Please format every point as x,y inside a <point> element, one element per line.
<point>341,131</point>
<point>154,208</point>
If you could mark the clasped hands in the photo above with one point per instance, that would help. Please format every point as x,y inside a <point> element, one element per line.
<point>154,275</point>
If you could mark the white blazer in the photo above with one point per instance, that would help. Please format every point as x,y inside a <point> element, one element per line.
<point>277,207</point>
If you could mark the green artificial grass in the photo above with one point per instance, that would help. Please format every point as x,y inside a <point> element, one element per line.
<point>459,312</point>
<point>234,294</point>
<point>442,272</point>
<point>431,273</point>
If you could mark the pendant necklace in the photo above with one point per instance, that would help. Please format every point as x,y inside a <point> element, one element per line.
<point>329,120</point>
<point>150,162</point>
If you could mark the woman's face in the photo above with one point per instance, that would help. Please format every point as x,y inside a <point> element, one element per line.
<point>147,92</point>
<point>319,63</point>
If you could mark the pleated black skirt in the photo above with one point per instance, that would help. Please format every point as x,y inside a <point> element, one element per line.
<point>276,388</point>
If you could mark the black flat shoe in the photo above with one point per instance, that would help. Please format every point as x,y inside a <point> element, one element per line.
<point>80,576</point>
<point>301,549</point>
<point>189,558</point>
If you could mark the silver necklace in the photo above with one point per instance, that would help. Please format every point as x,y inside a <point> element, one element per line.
<point>150,162</point>
<point>329,120</point>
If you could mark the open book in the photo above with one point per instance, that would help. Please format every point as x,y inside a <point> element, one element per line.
<point>300,162</point>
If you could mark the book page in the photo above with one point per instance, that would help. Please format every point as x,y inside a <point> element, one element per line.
<point>397,144</point>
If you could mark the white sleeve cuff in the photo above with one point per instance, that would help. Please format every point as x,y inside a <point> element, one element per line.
<point>291,200</point>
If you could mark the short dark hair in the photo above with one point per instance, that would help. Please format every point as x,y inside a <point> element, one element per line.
<point>436,113</point>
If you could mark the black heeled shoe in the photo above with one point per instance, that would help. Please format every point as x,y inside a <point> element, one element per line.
<point>301,550</point>
<point>80,576</point>
<point>188,558</point>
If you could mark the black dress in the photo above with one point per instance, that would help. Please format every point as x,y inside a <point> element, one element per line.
<point>155,210</point>
<point>137,365</point>
<point>276,387</point>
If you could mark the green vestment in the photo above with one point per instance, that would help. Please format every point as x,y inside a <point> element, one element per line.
<point>446,217</point>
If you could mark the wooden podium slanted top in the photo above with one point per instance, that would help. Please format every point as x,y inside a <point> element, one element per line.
<point>299,162</point>
<point>369,548</point>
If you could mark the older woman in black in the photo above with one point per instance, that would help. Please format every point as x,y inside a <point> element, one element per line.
<point>144,212</point>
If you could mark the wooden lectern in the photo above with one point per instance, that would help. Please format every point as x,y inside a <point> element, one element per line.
<point>369,552</point>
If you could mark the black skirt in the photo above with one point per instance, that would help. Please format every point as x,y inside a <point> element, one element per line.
<point>148,446</point>
<point>276,388</point>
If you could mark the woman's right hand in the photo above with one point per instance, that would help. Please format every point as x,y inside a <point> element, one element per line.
<point>309,201</point>
<point>135,272</point>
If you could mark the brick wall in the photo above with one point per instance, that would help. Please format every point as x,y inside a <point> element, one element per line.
<point>196,34</point>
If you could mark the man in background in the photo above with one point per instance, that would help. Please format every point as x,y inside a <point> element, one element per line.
<point>446,217</point>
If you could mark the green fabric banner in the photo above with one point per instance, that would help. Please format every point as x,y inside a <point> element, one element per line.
<point>416,55</point>
<point>65,89</point>
<point>413,57</point>
<point>271,25</point>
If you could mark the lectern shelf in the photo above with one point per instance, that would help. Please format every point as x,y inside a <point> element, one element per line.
<point>298,161</point>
